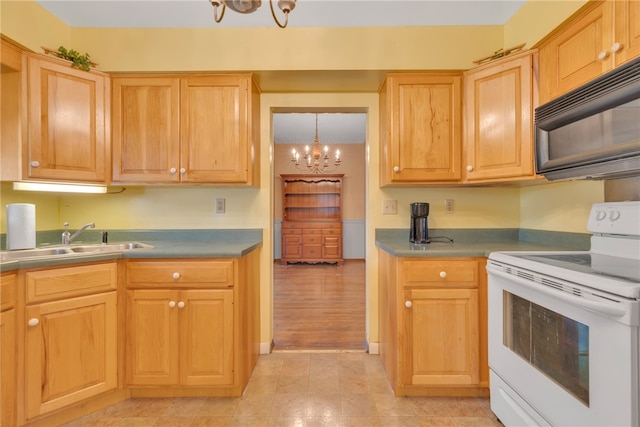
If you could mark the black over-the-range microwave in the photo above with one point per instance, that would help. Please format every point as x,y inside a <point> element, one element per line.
<point>592,132</point>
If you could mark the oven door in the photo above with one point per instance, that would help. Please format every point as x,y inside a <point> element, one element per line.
<point>559,358</point>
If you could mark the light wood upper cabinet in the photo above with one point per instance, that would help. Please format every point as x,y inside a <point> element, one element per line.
<point>146,129</point>
<point>499,99</point>
<point>186,129</point>
<point>420,128</point>
<point>67,122</point>
<point>602,36</point>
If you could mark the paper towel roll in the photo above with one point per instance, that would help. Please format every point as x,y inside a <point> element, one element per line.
<point>21,226</point>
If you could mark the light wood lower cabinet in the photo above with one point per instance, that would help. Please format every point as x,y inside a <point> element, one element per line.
<point>8,349</point>
<point>433,332</point>
<point>192,326</point>
<point>180,337</point>
<point>70,336</point>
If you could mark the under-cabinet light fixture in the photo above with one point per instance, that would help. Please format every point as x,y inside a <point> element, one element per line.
<point>59,188</point>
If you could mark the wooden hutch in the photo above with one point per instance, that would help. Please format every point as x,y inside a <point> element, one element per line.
<point>312,218</point>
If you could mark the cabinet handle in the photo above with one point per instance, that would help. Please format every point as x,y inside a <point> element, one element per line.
<point>175,275</point>
<point>172,304</point>
<point>469,168</point>
<point>172,171</point>
<point>443,274</point>
<point>616,47</point>
<point>181,304</point>
<point>603,55</point>
<point>35,164</point>
<point>396,168</point>
<point>408,304</point>
<point>33,322</point>
<point>183,171</point>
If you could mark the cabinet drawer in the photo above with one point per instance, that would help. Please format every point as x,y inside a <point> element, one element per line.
<point>8,291</point>
<point>436,274</point>
<point>290,231</point>
<point>331,231</point>
<point>312,251</point>
<point>312,239</point>
<point>150,274</point>
<point>68,282</point>
<point>312,231</point>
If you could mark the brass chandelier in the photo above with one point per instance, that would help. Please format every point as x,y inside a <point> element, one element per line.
<point>315,159</point>
<point>250,6</point>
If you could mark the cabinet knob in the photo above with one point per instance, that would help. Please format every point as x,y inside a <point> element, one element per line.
<point>33,322</point>
<point>35,164</point>
<point>172,304</point>
<point>396,168</point>
<point>175,275</point>
<point>616,47</point>
<point>603,55</point>
<point>172,171</point>
<point>181,304</point>
<point>408,304</point>
<point>469,168</point>
<point>443,274</point>
<point>183,171</point>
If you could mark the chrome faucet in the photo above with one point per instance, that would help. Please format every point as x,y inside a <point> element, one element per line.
<point>67,237</point>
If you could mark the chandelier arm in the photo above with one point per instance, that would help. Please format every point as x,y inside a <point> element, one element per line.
<point>215,12</point>
<point>275,18</point>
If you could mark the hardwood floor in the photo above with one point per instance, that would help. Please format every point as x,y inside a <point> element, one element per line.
<point>319,307</point>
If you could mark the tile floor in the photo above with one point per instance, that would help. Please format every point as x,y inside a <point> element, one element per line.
<point>305,390</point>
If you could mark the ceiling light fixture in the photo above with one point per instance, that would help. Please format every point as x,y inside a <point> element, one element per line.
<point>315,159</point>
<point>250,6</point>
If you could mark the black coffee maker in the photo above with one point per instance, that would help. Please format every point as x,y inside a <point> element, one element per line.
<point>419,232</point>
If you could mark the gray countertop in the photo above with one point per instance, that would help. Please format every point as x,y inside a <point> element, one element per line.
<point>164,244</point>
<point>478,242</point>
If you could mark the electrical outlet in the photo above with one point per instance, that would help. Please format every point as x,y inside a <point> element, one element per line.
<point>220,205</point>
<point>448,206</point>
<point>389,207</point>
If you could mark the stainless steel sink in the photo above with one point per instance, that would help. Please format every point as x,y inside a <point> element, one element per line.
<point>70,250</point>
<point>110,247</point>
<point>34,253</point>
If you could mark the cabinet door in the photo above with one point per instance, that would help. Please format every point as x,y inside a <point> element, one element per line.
<point>67,122</point>
<point>441,346</point>
<point>498,120</point>
<point>152,337</point>
<point>214,129</point>
<point>8,367</point>
<point>291,246</point>
<point>71,351</point>
<point>572,57</point>
<point>331,247</point>
<point>206,337</point>
<point>421,138</point>
<point>627,26</point>
<point>146,129</point>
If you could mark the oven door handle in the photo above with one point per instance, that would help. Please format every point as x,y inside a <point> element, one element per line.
<point>598,307</point>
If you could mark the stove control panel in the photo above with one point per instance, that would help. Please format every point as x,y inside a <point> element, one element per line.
<point>621,218</point>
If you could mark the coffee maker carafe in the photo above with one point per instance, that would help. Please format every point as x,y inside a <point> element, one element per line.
<point>419,232</point>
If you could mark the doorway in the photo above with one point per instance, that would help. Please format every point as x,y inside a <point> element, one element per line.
<point>322,306</point>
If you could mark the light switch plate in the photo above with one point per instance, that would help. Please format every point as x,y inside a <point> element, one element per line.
<point>220,206</point>
<point>389,207</point>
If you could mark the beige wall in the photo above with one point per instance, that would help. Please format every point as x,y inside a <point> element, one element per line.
<point>415,48</point>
